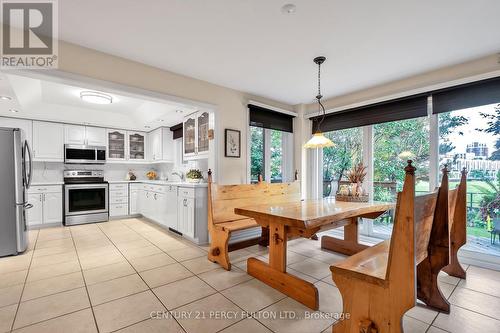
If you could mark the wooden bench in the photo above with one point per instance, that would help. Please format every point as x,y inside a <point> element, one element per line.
<point>379,284</point>
<point>222,221</point>
<point>458,226</point>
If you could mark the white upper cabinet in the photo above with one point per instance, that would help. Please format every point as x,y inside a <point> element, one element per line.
<point>155,145</point>
<point>96,136</point>
<point>195,136</point>
<point>84,135</point>
<point>48,141</point>
<point>25,125</point>
<point>136,146</point>
<point>117,145</point>
<point>161,145</point>
<point>74,135</point>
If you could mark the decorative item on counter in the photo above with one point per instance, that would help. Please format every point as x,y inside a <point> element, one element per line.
<point>355,191</point>
<point>194,176</point>
<point>131,175</point>
<point>152,175</point>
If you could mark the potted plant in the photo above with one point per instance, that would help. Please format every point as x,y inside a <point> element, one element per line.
<point>356,176</point>
<point>194,176</point>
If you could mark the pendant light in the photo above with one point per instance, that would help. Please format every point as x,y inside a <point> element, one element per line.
<point>319,140</point>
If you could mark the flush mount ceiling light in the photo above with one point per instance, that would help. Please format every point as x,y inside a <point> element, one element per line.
<point>319,140</point>
<point>289,8</point>
<point>6,98</point>
<point>96,97</point>
<point>179,111</point>
<point>13,110</point>
<point>147,126</point>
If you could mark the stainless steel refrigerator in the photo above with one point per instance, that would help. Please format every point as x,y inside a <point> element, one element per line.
<point>15,179</point>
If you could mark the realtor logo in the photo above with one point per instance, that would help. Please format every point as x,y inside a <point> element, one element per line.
<point>29,34</point>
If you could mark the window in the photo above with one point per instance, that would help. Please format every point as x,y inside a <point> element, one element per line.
<point>270,143</point>
<point>271,155</point>
<point>393,144</point>
<point>256,153</point>
<point>470,138</point>
<point>337,160</point>
<point>276,156</point>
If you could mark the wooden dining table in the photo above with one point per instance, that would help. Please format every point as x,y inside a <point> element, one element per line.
<point>305,219</point>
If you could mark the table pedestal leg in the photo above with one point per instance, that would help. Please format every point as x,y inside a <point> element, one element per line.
<point>274,274</point>
<point>349,245</point>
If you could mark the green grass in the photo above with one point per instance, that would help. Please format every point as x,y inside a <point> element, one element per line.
<point>476,189</point>
<point>478,232</point>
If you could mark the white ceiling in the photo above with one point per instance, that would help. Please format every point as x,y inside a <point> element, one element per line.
<point>253,47</point>
<point>61,102</point>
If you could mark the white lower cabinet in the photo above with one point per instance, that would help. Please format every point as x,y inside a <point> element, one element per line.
<point>192,213</point>
<point>183,209</point>
<point>157,204</point>
<point>47,202</point>
<point>134,200</point>
<point>34,215</point>
<point>118,200</point>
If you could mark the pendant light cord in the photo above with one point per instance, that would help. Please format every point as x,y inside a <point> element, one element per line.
<point>318,97</point>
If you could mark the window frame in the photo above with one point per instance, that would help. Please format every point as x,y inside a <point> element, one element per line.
<point>287,144</point>
<point>366,228</point>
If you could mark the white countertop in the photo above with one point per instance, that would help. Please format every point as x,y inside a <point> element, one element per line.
<point>158,182</point>
<point>46,183</point>
<point>144,181</point>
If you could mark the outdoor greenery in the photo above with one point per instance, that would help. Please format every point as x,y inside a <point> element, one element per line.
<point>393,144</point>
<point>346,153</point>
<point>276,156</point>
<point>257,154</point>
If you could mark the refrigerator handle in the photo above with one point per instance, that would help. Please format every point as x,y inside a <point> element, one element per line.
<point>28,176</point>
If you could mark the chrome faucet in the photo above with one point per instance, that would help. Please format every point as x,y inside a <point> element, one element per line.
<point>180,174</point>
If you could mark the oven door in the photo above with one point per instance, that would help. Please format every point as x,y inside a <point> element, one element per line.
<point>81,199</point>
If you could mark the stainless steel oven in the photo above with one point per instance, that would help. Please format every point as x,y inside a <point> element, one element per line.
<point>76,154</point>
<point>85,197</point>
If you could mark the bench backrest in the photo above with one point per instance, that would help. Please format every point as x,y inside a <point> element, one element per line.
<point>223,199</point>
<point>419,223</point>
<point>457,200</point>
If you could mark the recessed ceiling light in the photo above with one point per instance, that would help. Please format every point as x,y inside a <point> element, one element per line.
<point>14,110</point>
<point>289,8</point>
<point>96,97</point>
<point>6,98</point>
<point>179,111</point>
<point>147,126</point>
<point>161,120</point>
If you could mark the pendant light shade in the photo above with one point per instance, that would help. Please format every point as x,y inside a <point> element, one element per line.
<point>319,140</point>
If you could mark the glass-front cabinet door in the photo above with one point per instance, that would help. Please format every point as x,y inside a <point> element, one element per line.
<point>203,125</point>
<point>117,144</point>
<point>137,145</point>
<point>189,135</point>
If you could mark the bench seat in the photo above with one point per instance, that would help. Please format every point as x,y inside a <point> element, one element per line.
<point>370,263</point>
<point>237,225</point>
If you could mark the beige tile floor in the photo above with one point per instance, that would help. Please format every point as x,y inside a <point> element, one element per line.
<point>111,277</point>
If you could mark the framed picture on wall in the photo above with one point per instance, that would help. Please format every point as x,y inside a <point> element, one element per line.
<point>232,139</point>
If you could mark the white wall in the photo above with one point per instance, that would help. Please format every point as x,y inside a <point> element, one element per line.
<point>477,69</point>
<point>231,105</point>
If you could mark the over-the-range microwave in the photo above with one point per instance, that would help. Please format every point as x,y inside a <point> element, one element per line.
<point>78,154</point>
